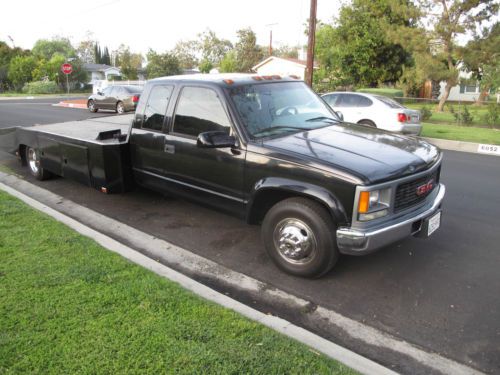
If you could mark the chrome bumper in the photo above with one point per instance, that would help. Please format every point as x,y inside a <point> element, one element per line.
<point>363,241</point>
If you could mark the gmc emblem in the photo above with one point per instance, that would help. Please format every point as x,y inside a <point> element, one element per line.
<point>425,188</point>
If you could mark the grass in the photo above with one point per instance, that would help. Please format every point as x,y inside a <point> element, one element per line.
<point>69,306</point>
<point>461,133</point>
<point>447,117</point>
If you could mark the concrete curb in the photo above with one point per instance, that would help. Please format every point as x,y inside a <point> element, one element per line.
<point>475,148</point>
<point>282,326</point>
<point>70,105</point>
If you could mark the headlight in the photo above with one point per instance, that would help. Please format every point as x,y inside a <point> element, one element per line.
<point>373,204</point>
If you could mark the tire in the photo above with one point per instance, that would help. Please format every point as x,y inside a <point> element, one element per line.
<point>368,123</point>
<point>91,106</point>
<point>33,162</point>
<point>299,236</point>
<point>120,108</point>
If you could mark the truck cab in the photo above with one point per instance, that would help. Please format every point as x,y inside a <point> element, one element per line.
<point>268,149</point>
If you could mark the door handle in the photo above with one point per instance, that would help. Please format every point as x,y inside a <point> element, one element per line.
<point>168,148</point>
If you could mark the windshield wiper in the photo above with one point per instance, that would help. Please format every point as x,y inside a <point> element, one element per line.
<point>267,130</point>
<point>322,118</point>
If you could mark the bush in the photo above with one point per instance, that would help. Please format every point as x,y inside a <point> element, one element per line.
<point>463,116</point>
<point>492,117</point>
<point>425,113</point>
<point>47,87</point>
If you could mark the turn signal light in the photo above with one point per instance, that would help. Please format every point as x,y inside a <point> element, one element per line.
<point>402,117</point>
<point>364,202</point>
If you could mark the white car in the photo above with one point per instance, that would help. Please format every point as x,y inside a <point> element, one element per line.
<point>375,110</point>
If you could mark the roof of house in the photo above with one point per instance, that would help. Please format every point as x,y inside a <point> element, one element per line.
<point>90,67</point>
<point>301,63</point>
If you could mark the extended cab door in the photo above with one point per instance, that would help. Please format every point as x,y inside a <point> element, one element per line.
<point>148,139</point>
<point>210,173</point>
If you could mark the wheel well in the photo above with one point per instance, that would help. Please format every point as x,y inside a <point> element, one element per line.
<point>266,199</point>
<point>22,154</point>
<point>367,120</point>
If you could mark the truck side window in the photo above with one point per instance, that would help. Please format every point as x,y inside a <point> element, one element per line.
<point>200,110</point>
<point>154,113</point>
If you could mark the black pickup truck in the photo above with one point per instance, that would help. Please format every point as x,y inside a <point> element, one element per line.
<point>265,148</point>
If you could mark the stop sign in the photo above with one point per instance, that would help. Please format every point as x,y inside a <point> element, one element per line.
<point>66,68</point>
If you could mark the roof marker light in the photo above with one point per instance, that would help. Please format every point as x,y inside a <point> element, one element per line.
<point>229,81</point>
<point>257,78</point>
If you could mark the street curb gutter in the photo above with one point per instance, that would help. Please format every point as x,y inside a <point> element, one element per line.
<point>345,356</point>
<point>70,105</point>
<point>368,338</point>
<point>475,148</point>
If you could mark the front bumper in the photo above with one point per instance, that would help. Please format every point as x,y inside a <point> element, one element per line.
<point>363,241</point>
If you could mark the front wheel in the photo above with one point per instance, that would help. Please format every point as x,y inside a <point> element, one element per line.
<point>299,236</point>
<point>120,108</point>
<point>33,161</point>
<point>91,106</point>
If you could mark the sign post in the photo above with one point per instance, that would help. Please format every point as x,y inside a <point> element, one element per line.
<point>67,69</point>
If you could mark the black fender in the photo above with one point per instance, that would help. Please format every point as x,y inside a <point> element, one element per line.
<point>276,189</point>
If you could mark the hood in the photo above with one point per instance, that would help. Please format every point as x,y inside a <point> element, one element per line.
<point>370,154</point>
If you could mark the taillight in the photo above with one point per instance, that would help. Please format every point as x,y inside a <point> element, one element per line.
<point>135,98</point>
<point>402,117</point>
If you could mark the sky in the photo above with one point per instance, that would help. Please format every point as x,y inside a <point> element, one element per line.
<point>144,24</point>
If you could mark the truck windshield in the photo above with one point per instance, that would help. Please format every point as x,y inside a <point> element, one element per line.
<point>271,109</point>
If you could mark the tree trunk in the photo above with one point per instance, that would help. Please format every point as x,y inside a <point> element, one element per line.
<point>445,96</point>
<point>482,96</point>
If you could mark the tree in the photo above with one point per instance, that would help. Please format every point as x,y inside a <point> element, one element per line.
<point>160,65</point>
<point>86,51</point>
<point>185,51</point>
<point>20,70</point>
<point>205,66</point>
<point>211,48</point>
<point>248,54</point>
<point>286,51</point>
<point>128,62</point>
<point>6,55</point>
<point>229,63</point>
<point>45,49</point>
<point>481,57</point>
<point>357,50</point>
<point>449,19</point>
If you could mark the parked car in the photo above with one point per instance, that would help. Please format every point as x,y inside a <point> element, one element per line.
<point>117,98</point>
<point>376,111</point>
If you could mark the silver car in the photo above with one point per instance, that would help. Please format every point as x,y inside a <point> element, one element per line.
<point>375,110</point>
<point>116,98</point>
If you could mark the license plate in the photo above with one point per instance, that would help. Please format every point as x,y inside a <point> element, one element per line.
<point>434,223</point>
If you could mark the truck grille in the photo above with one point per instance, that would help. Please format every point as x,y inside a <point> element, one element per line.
<point>406,194</point>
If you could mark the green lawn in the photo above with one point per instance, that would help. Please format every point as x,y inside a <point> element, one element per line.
<point>461,133</point>
<point>447,117</point>
<point>68,306</point>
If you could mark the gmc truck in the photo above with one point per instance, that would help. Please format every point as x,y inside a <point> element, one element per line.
<point>264,148</point>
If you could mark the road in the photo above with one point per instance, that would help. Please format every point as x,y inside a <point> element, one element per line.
<point>440,293</point>
<point>27,112</point>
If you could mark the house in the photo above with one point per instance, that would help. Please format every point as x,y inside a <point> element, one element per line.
<point>99,72</point>
<point>281,66</point>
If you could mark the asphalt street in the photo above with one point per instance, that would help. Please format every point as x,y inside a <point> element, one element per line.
<point>441,293</point>
<point>27,112</point>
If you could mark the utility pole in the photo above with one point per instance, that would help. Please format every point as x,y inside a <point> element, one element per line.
<point>270,25</point>
<point>310,43</point>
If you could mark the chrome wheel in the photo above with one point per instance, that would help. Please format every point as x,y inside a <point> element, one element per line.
<point>33,161</point>
<point>295,241</point>
<point>91,106</point>
<point>120,108</point>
